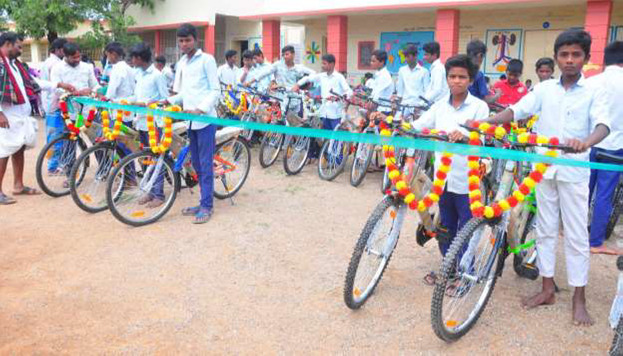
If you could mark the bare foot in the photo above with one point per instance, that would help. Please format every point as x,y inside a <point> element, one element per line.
<point>544,297</point>
<point>580,314</point>
<point>155,203</point>
<point>604,250</point>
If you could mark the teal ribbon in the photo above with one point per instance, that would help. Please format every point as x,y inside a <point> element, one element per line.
<point>404,142</point>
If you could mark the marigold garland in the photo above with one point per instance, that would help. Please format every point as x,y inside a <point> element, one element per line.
<point>242,106</point>
<point>168,130</point>
<point>108,135</point>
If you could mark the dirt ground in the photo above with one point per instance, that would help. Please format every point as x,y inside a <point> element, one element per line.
<point>264,276</point>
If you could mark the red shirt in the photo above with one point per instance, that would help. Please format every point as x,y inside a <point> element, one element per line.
<point>510,93</point>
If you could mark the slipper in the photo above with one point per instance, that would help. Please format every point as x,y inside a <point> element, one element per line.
<point>192,211</point>
<point>202,216</point>
<point>27,191</point>
<point>457,289</point>
<point>6,200</point>
<point>430,279</point>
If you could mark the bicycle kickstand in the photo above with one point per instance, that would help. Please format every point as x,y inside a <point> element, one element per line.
<point>231,198</point>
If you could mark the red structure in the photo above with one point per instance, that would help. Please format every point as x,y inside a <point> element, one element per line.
<point>447,32</point>
<point>271,38</point>
<point>598,14</point>
<point>337,40</point>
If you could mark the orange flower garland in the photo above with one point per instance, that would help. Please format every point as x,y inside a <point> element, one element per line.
<point>65,113</point>
<point>110,136</point>
<point>168,131</point>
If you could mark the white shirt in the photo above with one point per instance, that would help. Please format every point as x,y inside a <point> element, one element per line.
<point>327,83</point>
<point>122,82</point>
<point>284,76</point>
<point>81,76</point>
<point>46,69</point>
<point>382,87</point>
<point>151,86</point>
<point>228,75</point>
<point>565,114</point>
<point>443,116</point>
<point>438,87</point>
<point>168,75</point>
<point>412,83</point>
<point>196,83</point>
<point>262,82</point>
<point>610,83</point>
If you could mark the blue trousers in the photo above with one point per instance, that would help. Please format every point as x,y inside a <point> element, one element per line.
<point>327,124</point>
<point>455,213</point>
<point>202,144</point>
<point>54,127</point>
<point>158,189</point>
<point>602,184</point>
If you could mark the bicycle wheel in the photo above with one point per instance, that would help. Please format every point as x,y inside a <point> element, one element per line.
<point>296,153</point>
<point>361,162</point>
<point>468,274</point>
<point>89,189</point>
<point>232,162</point>
<point>524,262</point>
<point>333,157</point>
<point>142,188</point>
<point>269,148</point>
<point>386,182</point>
<point>247,117</point>
<point>373,251</point>
<point>617,209</point>
<point>54,164</point>
<point>616,349</point>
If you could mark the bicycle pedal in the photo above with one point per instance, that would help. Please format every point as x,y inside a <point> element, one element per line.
<point>528,271</point>
<point>422,236</point>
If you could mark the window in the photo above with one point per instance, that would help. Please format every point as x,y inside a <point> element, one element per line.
<point>364,54</point>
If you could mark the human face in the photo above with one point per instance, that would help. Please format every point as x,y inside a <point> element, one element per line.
<point>137,62</point>
<point>429,58</point>
<point>513,77</point>
<point>478,59</point>
<point>17,50</point>
<point>59,53</point>
<point>375,63</point>
<point>112,57</point>
<point>411,59</point>
<point>232,60</point>
<point>327,66</point>
<point>544,72</point>
<point>571,59</point>
<point>288,56</point>
<point>159,66</point>
<point>186,44</point>
<point>259,59</point>
<point>247,62</point>
<point>458,80</point>
<point>74,59</point>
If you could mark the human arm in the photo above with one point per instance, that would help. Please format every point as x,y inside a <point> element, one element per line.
<point>209,67</point>
<point>427,120</point>
<point>400,85</point>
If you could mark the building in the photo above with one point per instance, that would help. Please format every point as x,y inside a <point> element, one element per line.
<point>524,29</point>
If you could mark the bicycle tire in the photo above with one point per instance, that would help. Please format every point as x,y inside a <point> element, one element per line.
<point>616,349</point>
<point>294,142</point>
<point>244,151</point>
<point>617,210</point>
<point>266,159</point>
<point>518,259</point>
<point>352,292</point>
<point>173,178</point>
<point>247,134</point>
<point>358,171</point>
<point>461,241</point>
<point>47,151</point>
<point>400,161</point>
<point>331,174</point>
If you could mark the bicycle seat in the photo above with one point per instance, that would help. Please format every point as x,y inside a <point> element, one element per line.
<point>226,133</point>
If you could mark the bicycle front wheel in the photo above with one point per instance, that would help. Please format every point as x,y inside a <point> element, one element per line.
<point>333,157</point>
<point>468,274</point>
<point>269,148</point>
<point>361,162</point>
<point>373,250</point>
<point>55,162</point>
<point>247,117</point>
<point>142,188</point>
<point>232,162</point>
<point>296,153</point>
<point>617,210</point>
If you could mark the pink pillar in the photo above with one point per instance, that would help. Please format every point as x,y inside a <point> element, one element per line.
<point>597,23</point>
<point>337,40</point>
<point>209,41</point>
<point>271,38</point>
<point>157,42</point>
<point>447,32</point>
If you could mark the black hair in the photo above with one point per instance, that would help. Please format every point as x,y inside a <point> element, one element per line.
<point>515,66</point>
<point>462,61</point>
<point>71,48</point>
<point>476,47</point>
<point>57,44</point>
<point>410,49</point>
<point>432,48</point>
<point>142,51</point>
<point>247,54</point>
<point>85,58</point>
<point>257,52</point>
<point>528,81</point>
<point>487,79</point>
<point>380,55</point>
<point>161,59</point>
<point>287,48</point>
<point>115,47</point>
<point>545,61</point>
<point>368,75</point>
<point>503,77</point>
<point>574,37</point>
<point>10,37</point>
<point>614,53</point>
<point>230,53</point>
<point>186,30</point>
<point>329,58</point>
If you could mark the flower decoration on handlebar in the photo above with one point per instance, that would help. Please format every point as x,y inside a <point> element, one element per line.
<point>80,124</point>
<point>475,195</point>
<point>167,139</point>
<point>230,100</point>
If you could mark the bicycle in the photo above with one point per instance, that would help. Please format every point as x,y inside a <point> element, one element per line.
<point>617,204</point>
<point>297,148</point>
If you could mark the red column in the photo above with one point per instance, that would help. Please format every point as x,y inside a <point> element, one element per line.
<point>447,32</point>
<point>209,40</point>
<point>157,42</point>
<point>337,40</point>
<point>597,23</point>
<point>271,38</point>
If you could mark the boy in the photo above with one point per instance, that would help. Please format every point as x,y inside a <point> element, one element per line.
<point>545,69</point>
<point>413,79</point>
<point>438,87</point>
<point>286,72</point>
<point>198,90</point>
<point>161,65</point>
<point>571,111</point>
<point>229,72</point>
<point>121,84</point>
<point>602,182</point>
<point>512,88</point>
<point>247,67</point>
<point>447,114</point>
<point>382,85</point>
<point>477,50</point>
<point>260,65</point>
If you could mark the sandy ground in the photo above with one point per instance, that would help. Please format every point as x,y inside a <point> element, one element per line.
<point>264,276</point>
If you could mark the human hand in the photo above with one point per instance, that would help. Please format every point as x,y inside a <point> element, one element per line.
<point>195,111</point>
<point>576,145</point>
<point>67,87</point>
<point>456,136</point>
<point>4,122</point>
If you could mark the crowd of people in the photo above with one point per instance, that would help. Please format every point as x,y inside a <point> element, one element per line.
<point>586,113</point>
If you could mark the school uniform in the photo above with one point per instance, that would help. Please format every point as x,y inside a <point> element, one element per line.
<point>438,86</point>
<point>412,84</point>
<point>383,88</point>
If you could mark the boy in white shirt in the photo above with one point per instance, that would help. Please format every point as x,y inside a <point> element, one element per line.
<point>122,82</point>
<point>228,72</point>
<point>573,112</point>
<point>438,86</point>
<point>383,85</point>
<point>413,79</point>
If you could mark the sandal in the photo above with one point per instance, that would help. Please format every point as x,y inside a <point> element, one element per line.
<point>27,191</point>
<point>192,211</point>
<point>6,200</point>
<point>202,216</point>
<point>457,289</point>
<point>430,279</point>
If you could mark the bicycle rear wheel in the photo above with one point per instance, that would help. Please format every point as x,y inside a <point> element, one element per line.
<point>269,148</point>
<point>332,160</point>
<point>142,188</point>
<point>468,274</point>
<point>232,162</point>
<point>524,262</point>
<point>361,163</point>
<point>616,349</point>
<point>296,153</point>
<point>617,210</point>
<point>247,117</point>
<point>373,251</point>
<point>54,164</point>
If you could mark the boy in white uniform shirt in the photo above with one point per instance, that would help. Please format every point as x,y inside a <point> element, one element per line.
<point>229,72</point>
<point>122,82</point>
<point>573,112</point>
<point>260,65</point>
<point>383,85</point>
<point>413,79</point>
<point>438,86</point>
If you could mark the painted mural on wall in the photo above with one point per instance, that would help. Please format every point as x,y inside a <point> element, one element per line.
<point>502,46</point>
<point>395,42</point>
<point>312,53</point>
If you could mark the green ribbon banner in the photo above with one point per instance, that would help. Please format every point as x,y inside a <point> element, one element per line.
<point>404,142</point>
<point>517,250</point>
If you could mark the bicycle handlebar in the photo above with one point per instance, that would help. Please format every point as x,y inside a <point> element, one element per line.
<point>506,141</point>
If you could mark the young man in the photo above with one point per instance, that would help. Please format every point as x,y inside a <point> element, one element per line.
<point>477,50</point>
<point>247,67</point>
<point>260,66</point>
<point>602,182</point>
<point>161,65</point>
<point>545,69</point>
<point>413,79</point>
<point>197,85</point>
<point>122,82</point>
<point>74,72</point>
<point>448,114</point>
<point>438,87</point>
<point>512,88</point>
<point>383,85</point>
<point>228,73</point>
<point>573,112</point>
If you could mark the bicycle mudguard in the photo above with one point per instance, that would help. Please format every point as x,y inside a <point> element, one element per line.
<point>179,162</point>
